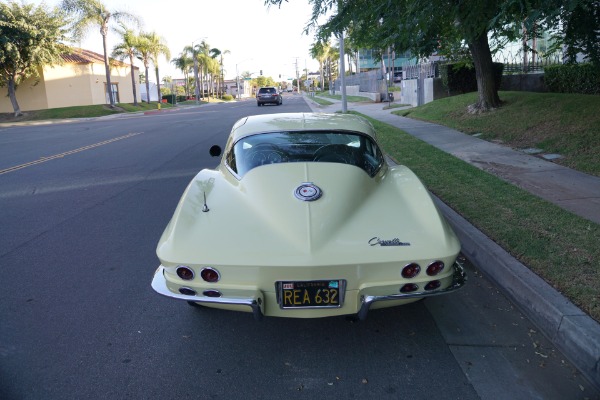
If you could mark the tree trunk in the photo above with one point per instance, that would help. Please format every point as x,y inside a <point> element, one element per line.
<point>147,86</point>
<point>111,100</point>
<point>135,103</point>
<point>321,67</point>
<point>158,85</point>
<point>201,81</point>
<point>484,71</point>
<point>13,96</point>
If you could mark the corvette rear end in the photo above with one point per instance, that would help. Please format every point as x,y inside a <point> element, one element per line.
<point>304,220</point>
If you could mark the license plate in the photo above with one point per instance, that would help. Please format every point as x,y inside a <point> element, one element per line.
<point>311,294</point>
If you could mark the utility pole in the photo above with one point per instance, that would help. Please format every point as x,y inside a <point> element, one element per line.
<point>297,76</point>
<point>343,74</point>
<point>342,68</point>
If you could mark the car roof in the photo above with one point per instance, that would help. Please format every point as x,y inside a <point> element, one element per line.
<point>267,123</point>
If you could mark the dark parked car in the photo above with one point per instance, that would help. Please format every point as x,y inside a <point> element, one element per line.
<point>268,95</point>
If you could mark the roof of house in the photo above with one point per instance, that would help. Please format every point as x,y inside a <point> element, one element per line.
<point>82,56</point>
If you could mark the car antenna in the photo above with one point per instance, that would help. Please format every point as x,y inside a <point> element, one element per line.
<point>205,207</point>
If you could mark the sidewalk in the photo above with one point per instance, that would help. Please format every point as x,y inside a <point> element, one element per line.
<point>572,331</point>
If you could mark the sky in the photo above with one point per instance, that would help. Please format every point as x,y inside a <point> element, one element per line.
<point>258,37</point>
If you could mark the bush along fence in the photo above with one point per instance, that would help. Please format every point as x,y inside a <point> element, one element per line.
<point>575,78</point>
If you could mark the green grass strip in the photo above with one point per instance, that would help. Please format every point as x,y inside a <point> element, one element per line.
<point>559,246</point>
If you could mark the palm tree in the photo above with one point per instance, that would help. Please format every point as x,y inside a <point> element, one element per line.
<point>88,13</point>
<point>204,59</point>
<point>127,49</point>
<point>143,49</point>
<point>213,72</point>
<point>184,64</point>
<point>156,48</point>
<point>218,53</point>
<point>194,52</point>
<point>319,51</point>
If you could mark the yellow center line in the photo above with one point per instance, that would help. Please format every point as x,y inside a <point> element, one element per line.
<point>66,153</point>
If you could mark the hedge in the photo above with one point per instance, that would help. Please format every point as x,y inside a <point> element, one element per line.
<point>573,78</point>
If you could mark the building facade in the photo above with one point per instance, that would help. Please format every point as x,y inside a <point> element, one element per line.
<point>80,81</point>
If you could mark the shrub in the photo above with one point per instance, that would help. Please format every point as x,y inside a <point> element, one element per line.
<point>169,97</point>
<point>227,97</point>
<point>573,78</point>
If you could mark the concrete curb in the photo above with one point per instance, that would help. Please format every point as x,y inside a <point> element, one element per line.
<point>571,330</point>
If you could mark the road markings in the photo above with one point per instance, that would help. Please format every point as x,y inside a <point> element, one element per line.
<point>66,153</point>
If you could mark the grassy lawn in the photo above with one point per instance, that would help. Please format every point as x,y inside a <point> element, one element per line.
<point>353,99</point>
<point>566,124</point>
<point>321,101</point>
<point>98,110</point>
<point>560,247</point>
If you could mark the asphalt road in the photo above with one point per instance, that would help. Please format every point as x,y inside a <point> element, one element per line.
<point>82,206</point>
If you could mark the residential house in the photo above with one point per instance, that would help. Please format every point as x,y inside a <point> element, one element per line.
<point>80,81</point>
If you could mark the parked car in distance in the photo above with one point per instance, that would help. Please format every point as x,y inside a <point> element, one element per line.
<point>304,218</point>
<point>268,95</point>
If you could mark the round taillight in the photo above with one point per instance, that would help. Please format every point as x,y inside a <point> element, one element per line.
<point>210,275</point>
<point>409,287</point>
<point>185,273</point>
<point>411,270</point>
<point>435,268</point>
<point>187,291</point>
<point>212,293</point>
<point>433,285</point>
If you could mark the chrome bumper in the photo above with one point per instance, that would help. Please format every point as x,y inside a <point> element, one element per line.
<point>159,284</point>
<point>458,280</point>
<point>255,302</point>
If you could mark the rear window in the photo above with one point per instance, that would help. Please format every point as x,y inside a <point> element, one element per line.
<point>285,147</point>
<point>267,90</point>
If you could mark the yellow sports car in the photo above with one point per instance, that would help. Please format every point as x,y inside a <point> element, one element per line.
<point>303,218</point>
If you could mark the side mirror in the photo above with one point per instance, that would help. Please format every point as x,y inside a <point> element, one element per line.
<point>215,151</point>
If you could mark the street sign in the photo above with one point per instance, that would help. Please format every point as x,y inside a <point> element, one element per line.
<point>247,79</point>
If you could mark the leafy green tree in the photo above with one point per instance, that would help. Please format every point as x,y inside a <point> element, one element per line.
<point>93,13</point>
<point>30,37</point>
<point>580,33</point>
<point>127,49</point>
<point>262,81</point>
<point>423,27</point>
<point>157,47</point>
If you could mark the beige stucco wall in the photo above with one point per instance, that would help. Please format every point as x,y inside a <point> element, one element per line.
<point>31,95</point>
<point>69,85</point>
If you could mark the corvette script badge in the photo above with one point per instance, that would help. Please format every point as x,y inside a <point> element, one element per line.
<point>308,192</point>
<point>390,242</point>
